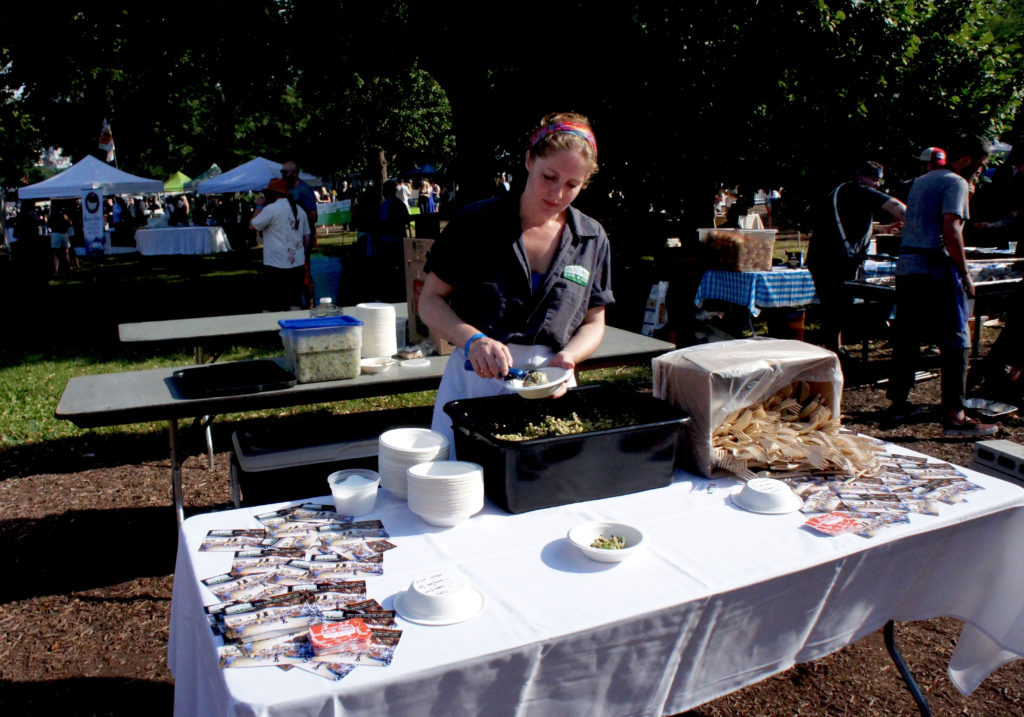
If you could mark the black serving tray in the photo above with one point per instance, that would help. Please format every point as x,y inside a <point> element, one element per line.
<point>231,379</point>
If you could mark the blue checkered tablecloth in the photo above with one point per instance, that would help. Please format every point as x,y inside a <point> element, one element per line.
<point>758,290</point>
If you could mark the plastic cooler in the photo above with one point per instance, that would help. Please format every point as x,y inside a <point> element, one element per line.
<point>525,475</point>
<point>323,349</point>
<point>273,464</point>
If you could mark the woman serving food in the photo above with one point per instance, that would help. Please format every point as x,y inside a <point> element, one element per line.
<point>521,280</point>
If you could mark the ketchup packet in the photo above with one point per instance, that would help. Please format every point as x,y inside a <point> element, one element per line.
<point>833,523</point>
<point>333,637</point>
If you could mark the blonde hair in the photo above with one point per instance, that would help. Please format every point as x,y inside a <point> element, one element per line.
<point>548,137</point>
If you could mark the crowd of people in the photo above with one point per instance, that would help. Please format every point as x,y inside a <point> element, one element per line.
<point>934,287</point>
<point>936,212</point>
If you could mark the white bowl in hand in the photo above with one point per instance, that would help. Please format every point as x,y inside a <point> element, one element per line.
<point>556,376</point>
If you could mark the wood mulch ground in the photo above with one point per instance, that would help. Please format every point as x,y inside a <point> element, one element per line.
<point>83,634</point>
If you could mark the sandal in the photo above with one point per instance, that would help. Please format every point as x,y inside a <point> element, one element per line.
<point>969,427</point>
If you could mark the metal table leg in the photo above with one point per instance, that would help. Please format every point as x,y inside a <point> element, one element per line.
<point>207,423</point>
<point>908,678</point>
<point>179,509</point>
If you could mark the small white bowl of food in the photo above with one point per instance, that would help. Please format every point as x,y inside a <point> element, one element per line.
<point>540,382</point>
<point>606,542</point>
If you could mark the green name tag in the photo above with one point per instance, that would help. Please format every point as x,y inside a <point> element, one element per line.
<point>576,274</point>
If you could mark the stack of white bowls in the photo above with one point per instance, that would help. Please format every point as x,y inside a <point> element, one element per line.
<point>380,328</point>
<point>445,493</point>
<point>401,448</point>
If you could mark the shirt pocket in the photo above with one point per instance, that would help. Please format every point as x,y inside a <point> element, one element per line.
<point>566,309</point>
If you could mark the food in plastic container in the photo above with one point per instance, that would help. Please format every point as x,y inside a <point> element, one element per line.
<point>520,475</point>
<point>323,349</point>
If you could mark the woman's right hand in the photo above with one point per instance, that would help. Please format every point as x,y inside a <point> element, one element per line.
<point>490,358</point>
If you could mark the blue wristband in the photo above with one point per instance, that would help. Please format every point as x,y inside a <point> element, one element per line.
<point>469,342</point>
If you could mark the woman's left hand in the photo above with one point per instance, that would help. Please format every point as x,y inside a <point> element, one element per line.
<point>562,360</point>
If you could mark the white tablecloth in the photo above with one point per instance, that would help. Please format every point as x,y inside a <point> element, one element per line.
<point>182,240</point>
<point>719,599</point>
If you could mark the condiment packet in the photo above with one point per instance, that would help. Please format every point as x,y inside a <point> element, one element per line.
<point>348,636</point>
<point>833,523</point>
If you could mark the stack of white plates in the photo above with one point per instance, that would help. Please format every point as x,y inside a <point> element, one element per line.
<point>401,448</point>
<point>445,493</point>
<point>379,329</point>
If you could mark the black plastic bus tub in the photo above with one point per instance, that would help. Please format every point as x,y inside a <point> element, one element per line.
<point>521,476</point>
<point>271,463</point>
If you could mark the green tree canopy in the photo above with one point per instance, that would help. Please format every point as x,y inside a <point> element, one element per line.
<point>683,97</point>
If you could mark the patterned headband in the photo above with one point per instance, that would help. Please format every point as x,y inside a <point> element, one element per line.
<point>565,128</point>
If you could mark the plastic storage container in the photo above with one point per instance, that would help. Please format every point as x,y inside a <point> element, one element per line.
<point>520,476</point>
<point>323,349</point>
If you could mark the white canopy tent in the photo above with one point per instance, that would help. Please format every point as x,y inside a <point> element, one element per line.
<point>90,173</point>
<point>252,176</point>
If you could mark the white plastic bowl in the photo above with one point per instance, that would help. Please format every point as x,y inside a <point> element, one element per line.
<point>414,441</point>
<point>440,598</point>
<point>556,377</point>
<point>583,535</point>
<point>447,471</point>
<point>766,495</point>
<point>376,365</point>
<point>442,519</point>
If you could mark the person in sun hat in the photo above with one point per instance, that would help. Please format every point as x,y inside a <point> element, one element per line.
<point>523,279</point>
<point>286,243</point>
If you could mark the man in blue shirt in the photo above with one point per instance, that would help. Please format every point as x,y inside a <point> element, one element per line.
<point>304,196</point>
<point>301,192</point>
<point>933,285</point>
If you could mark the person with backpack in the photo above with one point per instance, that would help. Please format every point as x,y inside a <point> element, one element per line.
<point>839,244</point>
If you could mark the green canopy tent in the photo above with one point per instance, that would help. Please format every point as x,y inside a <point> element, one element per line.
<point>176,182</point>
